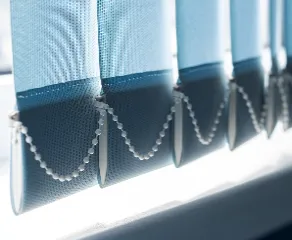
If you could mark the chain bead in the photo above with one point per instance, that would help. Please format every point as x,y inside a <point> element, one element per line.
<point>98,132</point>
<point>110,111</point>
<point>28,139</point>
<point>127,141</point>
<point>162,134</point>
<point>43,165</point>
<point>55,176</point>
<point>124,134</point>
<point>37,157</point>
<point>91,151</point>
<point>68,178</point>
<point>23,130</point>
<point>49,171</point>
<point>33,149</point>
<point>94,141</point>
<point>86,160</point>
<point>62,178</point>
<point>81,167</point>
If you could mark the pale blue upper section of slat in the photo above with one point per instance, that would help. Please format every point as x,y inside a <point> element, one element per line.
<point>54,41</point>
<point>245,21</point>
<point>134,36</point>
<point>200,32</point>
<point>276,26</point>
<point>288,27</point>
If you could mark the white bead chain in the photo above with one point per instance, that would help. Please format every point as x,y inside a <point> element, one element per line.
<point>258,124</point>
<point>211,135</point>
<point>158,141</point>
<point>49,171</point>
<point>285,105</point>
<point>104,109</point>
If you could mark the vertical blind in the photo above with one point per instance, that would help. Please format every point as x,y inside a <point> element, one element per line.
<point>96,103</point>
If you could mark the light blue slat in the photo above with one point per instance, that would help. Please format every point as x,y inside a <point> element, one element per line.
<point>53,42</point>
<point>200,32</point>
<point>276,26</point>
<point>134,36</point>
<point>245,21</point>
<point>288,27</point>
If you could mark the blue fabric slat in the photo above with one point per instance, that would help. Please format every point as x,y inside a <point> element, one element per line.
<point>288,34</point>
<point>249,75</point>
<point>134,36</point>
<point>62,132</point>
<point>245,22</point>
<point>53,42</point>
<point>288,46</point>
<point>276,29</point>
<point>142,111</point>
<point>56,79</point>
<point>206,87</point>
<point>248,71</point>
<point>135,57</point>
<point>201,52</point>
<point>200,32</point>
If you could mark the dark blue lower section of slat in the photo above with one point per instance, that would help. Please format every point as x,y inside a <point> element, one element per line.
<point>288,90</point>
<point>288,86</point>
<point>142,111</point>
<point>206,87</point>
<point>62,130</point>
<point>274,104</point>
<point>249,75</point>
<point>289,65</point>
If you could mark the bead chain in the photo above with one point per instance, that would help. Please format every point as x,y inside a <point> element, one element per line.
<point>197,130</point>
<point>284,100</point>
<point>20,127</point>
<point>258,125</point>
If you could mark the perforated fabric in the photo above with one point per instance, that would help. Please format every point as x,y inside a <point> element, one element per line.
<point>206,88</point>
<point>246,37</point>
<point>249,75</point>
<point>62,132</point>
<point>135,62</point>
<point>248,72</point>
<point>288,33</point>
<point>276,26</point>
<point>276,32</point>
<point>53,42</point>
<point>134,36</point>
<point>142,111</point>
<point>56,79</point>
<point>201,32</point>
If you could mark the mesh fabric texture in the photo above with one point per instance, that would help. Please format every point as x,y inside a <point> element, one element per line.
<point>245,26</point>
<point>249,75</point>
<point>134,36</point>
<point>62,132</point>
<point>142,111</point>
<point>53,42</point>
<point>205,84</point>
<point>276,32</point>
<point>200,25</point>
